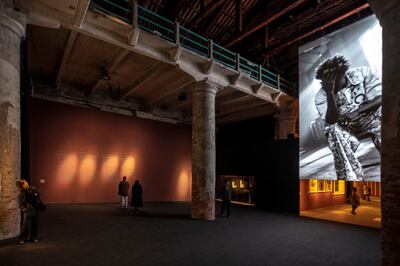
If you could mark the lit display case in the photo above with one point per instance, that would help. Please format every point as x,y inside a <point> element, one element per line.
<point>242,188</point>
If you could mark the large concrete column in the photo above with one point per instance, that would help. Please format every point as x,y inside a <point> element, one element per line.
<point>388,13</point>
<point>12,29</point>
<point>203,151</point>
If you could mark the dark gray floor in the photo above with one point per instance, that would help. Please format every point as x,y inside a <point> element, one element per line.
<point>164,234</point>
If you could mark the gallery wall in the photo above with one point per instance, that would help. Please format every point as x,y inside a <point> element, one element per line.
<point>78,155</point>
<point>309,201</point>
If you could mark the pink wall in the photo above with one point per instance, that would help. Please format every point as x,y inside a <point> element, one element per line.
<point>310,201</point>
<point>82,153</point>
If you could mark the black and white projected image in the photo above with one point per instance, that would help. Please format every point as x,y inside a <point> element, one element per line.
<point>340,104</point>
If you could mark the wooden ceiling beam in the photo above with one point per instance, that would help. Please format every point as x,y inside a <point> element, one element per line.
<point>213,21</point>
<point>274,49</point>
<point>208,9</point>
<point>243,34</point>
<point>239,15</point>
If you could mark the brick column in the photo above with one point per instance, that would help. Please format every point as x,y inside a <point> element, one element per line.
<point>203,151</point>
<point>12,29</point>
<point>388,13</point>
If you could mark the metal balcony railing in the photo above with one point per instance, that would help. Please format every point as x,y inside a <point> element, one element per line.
<point>129,12</point>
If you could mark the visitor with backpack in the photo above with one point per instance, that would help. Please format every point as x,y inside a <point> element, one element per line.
<point>30,205</point>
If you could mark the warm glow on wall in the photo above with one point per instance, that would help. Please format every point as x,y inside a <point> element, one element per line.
<point>128,167</point>
<point>183,185</point>
<point>87,169</point>
<point>110,167</point>
<point>67,168</point>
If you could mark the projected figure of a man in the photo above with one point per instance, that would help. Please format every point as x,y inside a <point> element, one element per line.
<point>349,102</point>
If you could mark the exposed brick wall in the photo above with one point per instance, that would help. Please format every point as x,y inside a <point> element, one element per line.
<point>11,30</point>
<point>391,201</point>
<point>388,13</point>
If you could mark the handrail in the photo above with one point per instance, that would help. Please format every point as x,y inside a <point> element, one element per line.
<point>167,29</point>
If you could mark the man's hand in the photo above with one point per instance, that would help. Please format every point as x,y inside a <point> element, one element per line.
<point>348,118</point>
<point>328,83</point>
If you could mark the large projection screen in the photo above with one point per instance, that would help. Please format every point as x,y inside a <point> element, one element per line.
<point>340,104</point>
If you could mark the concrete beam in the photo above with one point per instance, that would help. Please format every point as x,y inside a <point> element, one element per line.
<point>257,88</point>
<point>183,105</point>
<point>116,60</point>
<point>67,51</point>
<point>234,79</point>
<point>117,33</point>
<point>240,107</point>
<point>232,98</point>
<point>80,12</point>
<point>176,53</point>
<point>153,71</point>
<point>208,67</point>
<point>102,101</point>
<point>259,111</point>
<point>168,93</point>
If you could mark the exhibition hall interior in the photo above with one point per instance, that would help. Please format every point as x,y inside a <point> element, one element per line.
<point>199,132</point>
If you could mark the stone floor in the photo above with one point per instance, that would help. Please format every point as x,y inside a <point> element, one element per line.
<point>368,214</point>
<point>164,234</point>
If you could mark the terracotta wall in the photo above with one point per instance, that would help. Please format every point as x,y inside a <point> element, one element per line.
<point>82,153</point>
<point>375,188</point>
<point>310,201</point>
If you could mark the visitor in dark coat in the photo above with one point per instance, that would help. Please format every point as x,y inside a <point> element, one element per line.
<point>30,223</point>
<point>137,201</point>
<point>123,190</point>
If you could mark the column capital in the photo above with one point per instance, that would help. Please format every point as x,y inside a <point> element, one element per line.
<point>206,86</point>
<point>383,9</point>
<point>13,20</point>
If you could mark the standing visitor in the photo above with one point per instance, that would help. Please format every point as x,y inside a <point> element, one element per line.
<point>226,200</point>
<point>30,221</point>
<point>366,192</point>
<point>137,201</point>
<point>123,190</point>
<point>354,200</point>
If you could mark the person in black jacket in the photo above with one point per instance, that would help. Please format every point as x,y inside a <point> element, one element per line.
<point>137,201</point>
<point>123,190</point>
<point>26,201</point>
<point>226,200</point>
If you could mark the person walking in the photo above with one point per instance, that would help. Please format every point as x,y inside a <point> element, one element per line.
<point>137,192</point>
<point>226,200</point>
<point>30,221</point>
<point>123,190</point>
<point>366,192</point>
<point>354,200</point>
